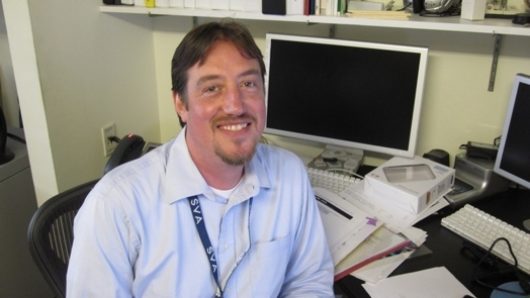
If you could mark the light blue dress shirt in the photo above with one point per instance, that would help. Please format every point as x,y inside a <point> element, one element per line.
<point>135,235</point>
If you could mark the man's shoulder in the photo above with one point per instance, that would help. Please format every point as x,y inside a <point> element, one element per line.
<point>276,152</point>
<point>135,174</point>
<point>276,156</point>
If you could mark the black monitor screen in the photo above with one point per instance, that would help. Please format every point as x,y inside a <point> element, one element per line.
<point>513,159</point>
<point>361,95</point>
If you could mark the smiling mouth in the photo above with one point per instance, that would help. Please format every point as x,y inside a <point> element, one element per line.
<point>234,127</point>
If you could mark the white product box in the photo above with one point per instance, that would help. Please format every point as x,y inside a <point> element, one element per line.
<point>411,184</point>
<point>473,9</point>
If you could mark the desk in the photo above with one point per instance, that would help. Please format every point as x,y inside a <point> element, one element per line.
<point>512,207</point>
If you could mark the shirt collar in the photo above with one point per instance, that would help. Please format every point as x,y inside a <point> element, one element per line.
<point>183,179</point>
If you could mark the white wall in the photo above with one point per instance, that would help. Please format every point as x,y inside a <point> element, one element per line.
<point>95,69</point>
<point>92,69</point>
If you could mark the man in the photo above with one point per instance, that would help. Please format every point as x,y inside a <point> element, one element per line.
<point>211,213</point>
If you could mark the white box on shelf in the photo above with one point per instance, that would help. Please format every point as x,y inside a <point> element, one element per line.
<point>411,184</point>
<point>473,9</point>
<point>295,7</point>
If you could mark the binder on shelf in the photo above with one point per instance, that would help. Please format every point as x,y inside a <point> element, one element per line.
<point>326,8</point>
<point>176,3</point>
<point>277,7</point>
<point>150,3</point>
<point>162,3</point>
<point>189,3</point>
<point>295,7</point>
<point>203,4</point>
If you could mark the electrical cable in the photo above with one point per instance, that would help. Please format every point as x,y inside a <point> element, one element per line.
<point>514,266</point>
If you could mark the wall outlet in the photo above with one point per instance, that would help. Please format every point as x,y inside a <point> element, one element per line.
<point>107,132</point>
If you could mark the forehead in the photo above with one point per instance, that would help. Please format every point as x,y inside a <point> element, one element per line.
<point>225,50</point>
<point>224,59</point>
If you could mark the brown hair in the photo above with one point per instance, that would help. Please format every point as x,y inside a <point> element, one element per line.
<point>196,44</point>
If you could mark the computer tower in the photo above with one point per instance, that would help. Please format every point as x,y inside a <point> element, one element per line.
<point>475,179</point>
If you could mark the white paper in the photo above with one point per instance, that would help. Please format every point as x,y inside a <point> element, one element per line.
<point>381,269</point>
<point>435,282</point>
<point>346,226</point>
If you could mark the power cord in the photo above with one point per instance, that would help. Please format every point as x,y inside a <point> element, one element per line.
<point>523,282</point>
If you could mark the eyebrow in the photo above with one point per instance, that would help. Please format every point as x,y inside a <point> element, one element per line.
<point>207,78</point>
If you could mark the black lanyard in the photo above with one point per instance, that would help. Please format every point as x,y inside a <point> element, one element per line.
<point>196,212</point>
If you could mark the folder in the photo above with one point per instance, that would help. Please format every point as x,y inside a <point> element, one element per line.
<point>277,7</point>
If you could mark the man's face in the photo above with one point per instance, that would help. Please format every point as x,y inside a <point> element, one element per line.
<point>225,114</point>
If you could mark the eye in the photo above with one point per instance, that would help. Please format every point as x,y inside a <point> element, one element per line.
<point>211,89</point>
<point>248,84</point>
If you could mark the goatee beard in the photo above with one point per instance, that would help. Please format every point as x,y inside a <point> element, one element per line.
<point>236,159</point>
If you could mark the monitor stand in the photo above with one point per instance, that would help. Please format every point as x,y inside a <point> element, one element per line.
<point>341,160</point>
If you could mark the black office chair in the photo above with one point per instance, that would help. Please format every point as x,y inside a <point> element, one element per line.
<point>50,231</point>
<point>50,235</point>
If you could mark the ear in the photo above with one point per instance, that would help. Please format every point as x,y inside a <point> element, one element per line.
<point>180,107</point>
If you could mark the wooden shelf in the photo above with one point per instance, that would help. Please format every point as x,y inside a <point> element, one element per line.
<point>449,24</point>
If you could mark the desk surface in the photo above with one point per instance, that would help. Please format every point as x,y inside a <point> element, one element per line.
<point>512,207</point>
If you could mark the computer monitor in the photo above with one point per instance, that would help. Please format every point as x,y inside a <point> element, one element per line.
<point>345,93</point>
<point>513,156</point>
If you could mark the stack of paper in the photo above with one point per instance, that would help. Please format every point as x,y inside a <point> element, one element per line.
<point>357,238</point>
<point>382,244</point>
<point>368,236</point>
<point>346,225</point>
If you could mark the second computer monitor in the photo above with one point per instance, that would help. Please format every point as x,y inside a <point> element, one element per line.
<point>346,93</point>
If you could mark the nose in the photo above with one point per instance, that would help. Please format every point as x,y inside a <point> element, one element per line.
<point>233,101</point>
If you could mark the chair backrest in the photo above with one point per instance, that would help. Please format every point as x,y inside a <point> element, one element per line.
<point>50,231</point>
<point>50,234</point>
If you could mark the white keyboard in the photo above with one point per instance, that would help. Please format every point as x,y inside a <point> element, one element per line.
<point>334,182</point>
<point>482,229</point>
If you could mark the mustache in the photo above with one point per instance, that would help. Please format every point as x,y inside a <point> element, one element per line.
<point>229,119</point>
